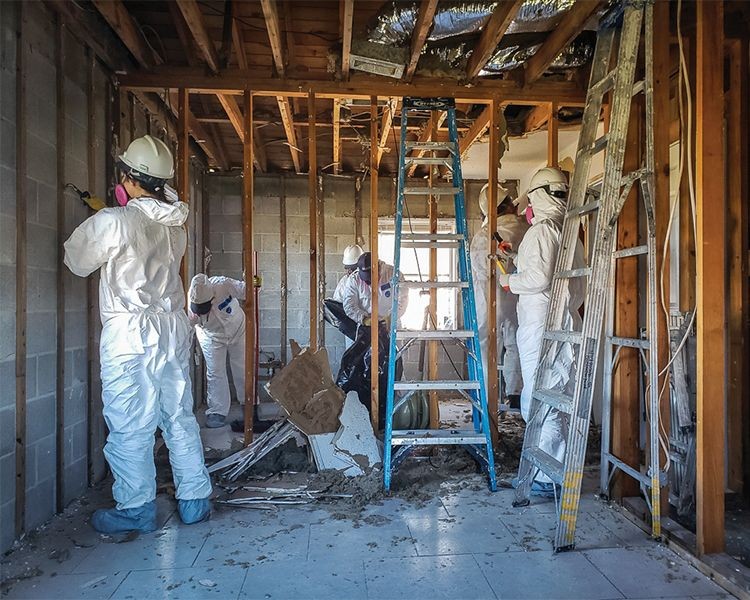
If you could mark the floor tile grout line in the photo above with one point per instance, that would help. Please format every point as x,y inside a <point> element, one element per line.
<point>489,585</point>
<point>114,591</point>
<point>197,554</point>
<point>603,574</point>
<point>364,578</point>
<point>244,580</point>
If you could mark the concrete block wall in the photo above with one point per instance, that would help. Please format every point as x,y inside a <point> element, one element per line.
<point>224,202</point>
<point>44,238</point>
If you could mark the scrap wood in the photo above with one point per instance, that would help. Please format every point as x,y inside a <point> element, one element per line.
<point>238,456</point>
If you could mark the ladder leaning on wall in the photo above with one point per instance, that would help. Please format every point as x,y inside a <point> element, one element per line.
<point>567,403</point>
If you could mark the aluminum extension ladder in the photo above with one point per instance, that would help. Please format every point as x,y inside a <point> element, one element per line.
<point>398,443</point>
<point>571,402</point>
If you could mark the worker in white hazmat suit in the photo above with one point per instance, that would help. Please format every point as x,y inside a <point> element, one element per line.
<point>535,263</point>
<point>511,229</point>
<point>349,260</point>
<point>357,293</point>
<point>219,321</point>
<point>145,341</point>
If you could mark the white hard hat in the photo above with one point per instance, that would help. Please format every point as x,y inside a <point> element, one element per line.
<point>352,254</point>
<point>546,177</point>
<point>502,194</point>
<point>200,289</point>
<point>149,156</point>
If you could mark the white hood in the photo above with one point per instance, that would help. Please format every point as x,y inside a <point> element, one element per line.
<point>547,207</point>
<point>171,215</point>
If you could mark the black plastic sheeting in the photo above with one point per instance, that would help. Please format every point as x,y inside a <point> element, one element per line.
<point>396,21</point>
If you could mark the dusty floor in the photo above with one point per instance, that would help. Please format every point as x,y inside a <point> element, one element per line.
<point>455,540</point>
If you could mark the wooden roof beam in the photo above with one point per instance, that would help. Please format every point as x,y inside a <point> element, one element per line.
<point>271,15</point>
<point>347,21</point>
<point>492,33</point>
<point>239,42</point>
<point>287,119</point>
<point>197,26</point>
<point>418,38</point>
<point>571,25</point>
<point>226,34</point>
<point>234,113</point>
<point>385,130</point>
<point>120,20</point>
<point>536,119</point>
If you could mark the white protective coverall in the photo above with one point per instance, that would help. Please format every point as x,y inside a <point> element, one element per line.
<point>357,295</point>
<point>220,333</point>
<point>338,293</point>
<point>145,345</point>
<point>511,229</point>
<point>535,265</point>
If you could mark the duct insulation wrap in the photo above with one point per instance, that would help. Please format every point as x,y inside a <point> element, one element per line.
<point>514,51</point>
<point>396,21</point>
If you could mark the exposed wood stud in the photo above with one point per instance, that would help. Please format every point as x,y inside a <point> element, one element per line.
<point>493,382</point>
<point>60,353</point>
<point>21,274</point>
<point>358,237</point>
<point>248,261</point>
<point>422,28</point>
<point>374,274</point>
<point>492,33</point>
<point>432,346</point>
<point>553,138</point>
<point>192,14</point>
<point>336,136</point>
<point>737,229</point>
<point>662,201</point>
<point>711,290</point>
<point>625,379</point>
<point>320,218</point>
<point>183,162</point>
<point>312,188</point>
<point>283,266</point>
<point>346,36</point>
<point>571,25</point>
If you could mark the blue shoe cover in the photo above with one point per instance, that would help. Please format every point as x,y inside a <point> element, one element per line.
<point>194,511</point>
<point>542,490</point>
<point>112,520</point>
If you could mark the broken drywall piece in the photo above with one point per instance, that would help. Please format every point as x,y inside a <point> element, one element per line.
<point>353,449</point>
<point>307,392</point>
<point>355,437</point>
<point>328,458</point>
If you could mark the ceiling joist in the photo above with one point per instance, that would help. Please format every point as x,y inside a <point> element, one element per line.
<point>191,12</point>
<point>571,25</point>
<point>347,21</point>
<point>421,30</point>
<point>271,15</point>
<point>385,127</point>
<point>234,113</point>
<point>492,33</point>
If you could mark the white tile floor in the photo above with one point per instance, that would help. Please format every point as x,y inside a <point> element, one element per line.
<point>462,544</point>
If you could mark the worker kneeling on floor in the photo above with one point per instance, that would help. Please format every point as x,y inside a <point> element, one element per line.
<point>219,322</point>
<point>145,340</point>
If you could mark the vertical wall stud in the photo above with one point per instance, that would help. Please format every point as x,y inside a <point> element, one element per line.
<point>283,260</point>
<point>312,179</point>
<point>493,383</point>
<point>375,275</point>
<point>248,261</point>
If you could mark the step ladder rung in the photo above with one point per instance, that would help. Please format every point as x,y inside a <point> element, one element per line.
<point>430,244</point>
<point>434,334</point>
<point>424,237</point>
<point>434,437</point>
<point>605,84</point>
<point>436,384</point>
<point>587,208</point>
<point>634,251</point>
<point>442,190</point>
<point>600,143</point>
<point>434,284</point>
<point>429,160</point>
<point>629,342</point>
<point>573,337</point>
<point>548,465</point>
<point>573,273</point>
<point>431,146</point>
<point>558,400</point>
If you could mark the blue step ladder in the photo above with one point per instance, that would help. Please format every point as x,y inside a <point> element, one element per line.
<point>399,443</point>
